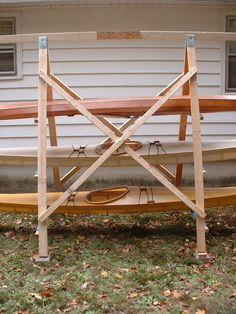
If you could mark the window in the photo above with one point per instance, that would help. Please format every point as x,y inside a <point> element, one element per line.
<point>7,51</point>
<point>231,56</point>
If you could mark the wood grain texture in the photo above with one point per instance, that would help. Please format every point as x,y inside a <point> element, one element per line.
<point>163,201</point>
<point>121,107</point>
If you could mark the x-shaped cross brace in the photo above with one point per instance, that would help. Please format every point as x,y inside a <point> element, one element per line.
<point>109,130</point>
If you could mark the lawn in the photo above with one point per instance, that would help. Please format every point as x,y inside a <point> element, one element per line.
<point>118,264</point>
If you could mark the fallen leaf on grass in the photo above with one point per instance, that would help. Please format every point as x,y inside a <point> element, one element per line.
<point>155,303</point>
<point>167,293</point>
<point>186,312</point>
<point>176,294</point>
<point>199,311</point>
<point>208,291</point>
<point>133,295</point>
<point>118,276</point>
<point>104,274</point>
<point>73,302</point>
<point>117,286</point>
<point>127,249</point>
<point>46,293</point>
<point>101,296</point>
<point>233,294</point>
<point>36,296</point>
<point>88,285</point>
<point>86,265</point>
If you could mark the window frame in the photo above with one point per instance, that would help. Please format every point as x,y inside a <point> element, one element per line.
<point>227,55</point>
<point>17,48</point>
<point>11,47</point>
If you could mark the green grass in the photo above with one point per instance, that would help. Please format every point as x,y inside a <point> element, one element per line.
<point>118,264</point>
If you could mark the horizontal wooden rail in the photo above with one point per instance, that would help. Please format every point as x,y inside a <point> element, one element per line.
<point>145,35</point>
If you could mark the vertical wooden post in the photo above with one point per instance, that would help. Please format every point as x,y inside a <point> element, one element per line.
<point>53,131</point>
<point>183,123</point>
<point>197,148</point>
<point>42,142</point>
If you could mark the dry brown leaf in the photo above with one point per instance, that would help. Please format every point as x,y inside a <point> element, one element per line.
<point>85,285</point>
<point>36,296</point>
<point>86,265</point>
<point>186,312</point>
<point>199,311</point>
<point>167,293</point>
<point>101,296</point>
<point>233,294</point>
<point>127,249</point>
<point>46,293</point>
<point>117,286</point>
<point>133,295</point>
<point>73,302</point>
<point>104,274</point>
<point>155,303</point>
<point>118,276</point>
<point>176,294</point>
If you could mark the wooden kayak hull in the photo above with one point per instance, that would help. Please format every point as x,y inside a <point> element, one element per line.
<point>135,201</point>
<point>167,153</point>
<point>120,107</point>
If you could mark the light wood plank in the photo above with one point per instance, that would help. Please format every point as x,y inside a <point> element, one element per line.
<point>42,176</point>
<point>155,35</point>
<point>197,151</point>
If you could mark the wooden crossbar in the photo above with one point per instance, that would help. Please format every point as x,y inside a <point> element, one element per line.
<point>142,35</point>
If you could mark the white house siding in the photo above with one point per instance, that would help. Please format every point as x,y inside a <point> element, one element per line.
<point>116,68</point>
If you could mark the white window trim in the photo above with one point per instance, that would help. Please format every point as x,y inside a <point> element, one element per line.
<point>224,15</point>
<point>19,59</point>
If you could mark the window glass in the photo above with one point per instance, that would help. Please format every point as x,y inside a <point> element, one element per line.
<point>7,51</point>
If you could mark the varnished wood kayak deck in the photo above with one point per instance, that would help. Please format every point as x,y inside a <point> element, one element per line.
<point>166,153</point>
<point>135,201</point>
<point>123,107</point>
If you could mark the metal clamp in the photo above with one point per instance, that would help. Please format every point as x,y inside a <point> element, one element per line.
<point>150,198</point>
<point>79,151</point>
<point>156,144</point>
<point>71,198</point>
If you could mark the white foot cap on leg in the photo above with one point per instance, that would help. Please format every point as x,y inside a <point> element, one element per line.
<point>201,256</point>
<point>42,259</point>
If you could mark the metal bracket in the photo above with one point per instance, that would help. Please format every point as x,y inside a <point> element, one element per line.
<point>190,40</point>
<point>43,42</point>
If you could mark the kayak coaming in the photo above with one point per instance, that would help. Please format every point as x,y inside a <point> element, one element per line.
<point>128,204</point>
<point>106,195</point>
<point>168,153</point>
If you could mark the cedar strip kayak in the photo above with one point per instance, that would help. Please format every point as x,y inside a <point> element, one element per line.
<point>155,154</point>
<point>135,200</point>
<point>120,107</point>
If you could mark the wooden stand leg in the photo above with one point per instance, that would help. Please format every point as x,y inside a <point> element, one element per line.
<point>197,149</point>
<point>42,142</point>
<point>53,142</point>
<point>183,123</point>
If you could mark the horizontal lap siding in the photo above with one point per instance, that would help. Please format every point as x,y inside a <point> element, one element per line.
<point>113,69</point>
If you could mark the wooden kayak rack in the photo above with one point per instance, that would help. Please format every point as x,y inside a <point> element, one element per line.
<point>189,103</point>
<point>186,80</point>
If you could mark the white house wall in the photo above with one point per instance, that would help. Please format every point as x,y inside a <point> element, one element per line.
<point>115,68</point>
